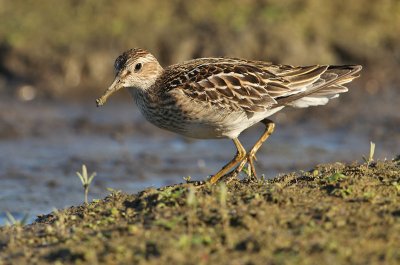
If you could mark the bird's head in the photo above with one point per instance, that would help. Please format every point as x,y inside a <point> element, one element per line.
<point>135,68</point>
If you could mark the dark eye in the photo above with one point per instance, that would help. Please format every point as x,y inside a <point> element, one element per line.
<point>138,66</point>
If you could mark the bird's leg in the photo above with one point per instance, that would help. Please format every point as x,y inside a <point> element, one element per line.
<point>240,154</point>
<point>251,155</point>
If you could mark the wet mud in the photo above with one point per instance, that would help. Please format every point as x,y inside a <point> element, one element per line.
<point>334,214</point>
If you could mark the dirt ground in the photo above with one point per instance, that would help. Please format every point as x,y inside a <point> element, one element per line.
<point>333,214</point>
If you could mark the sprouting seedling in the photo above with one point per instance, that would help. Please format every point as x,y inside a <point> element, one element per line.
<point>11,220</point>
<point>191,198</point>
<point>223,193</point>
<point>223,197</point>
<point>191,201</point>
<point>60,222</point>
<point>187,179</point>
<point>371,154</point>
<point>85,180</point>
<point>246,171</point>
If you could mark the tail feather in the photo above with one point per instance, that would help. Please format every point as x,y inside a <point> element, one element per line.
<point>328,86</point>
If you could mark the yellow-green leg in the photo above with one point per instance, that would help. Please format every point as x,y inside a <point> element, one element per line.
<point>240,155</point>
<point>251,155</point>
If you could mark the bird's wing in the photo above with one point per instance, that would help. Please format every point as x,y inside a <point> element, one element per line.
<point>252,86</point>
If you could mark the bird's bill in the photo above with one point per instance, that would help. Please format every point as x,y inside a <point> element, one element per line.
<point>115,86</point>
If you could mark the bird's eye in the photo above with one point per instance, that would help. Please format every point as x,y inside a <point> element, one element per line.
<point>138,66</point>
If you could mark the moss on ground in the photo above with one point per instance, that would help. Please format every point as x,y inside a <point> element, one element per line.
<point>334,214</point>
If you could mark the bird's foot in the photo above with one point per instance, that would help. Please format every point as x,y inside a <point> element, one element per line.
<point>250,170</point>
<point>227,178</point>
<point>230,177</point>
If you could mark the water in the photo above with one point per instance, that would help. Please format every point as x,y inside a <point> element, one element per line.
<point>43,144</point>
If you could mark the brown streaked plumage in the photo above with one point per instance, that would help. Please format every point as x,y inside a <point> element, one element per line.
<point>220,97</point>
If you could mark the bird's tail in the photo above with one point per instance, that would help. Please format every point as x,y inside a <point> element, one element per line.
<point>329,85</point>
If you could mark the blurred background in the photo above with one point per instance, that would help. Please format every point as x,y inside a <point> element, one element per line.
<point>56,58</point>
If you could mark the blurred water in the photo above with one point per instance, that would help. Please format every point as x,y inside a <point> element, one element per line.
<point>43,145</point>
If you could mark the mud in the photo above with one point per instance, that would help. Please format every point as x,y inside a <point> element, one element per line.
<point>332,214</point>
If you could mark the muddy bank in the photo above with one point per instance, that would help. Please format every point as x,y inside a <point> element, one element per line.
<point>334,214</point>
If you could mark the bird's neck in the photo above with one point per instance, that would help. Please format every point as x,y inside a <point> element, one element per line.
<point>143,97</point>
<point>148,97</point>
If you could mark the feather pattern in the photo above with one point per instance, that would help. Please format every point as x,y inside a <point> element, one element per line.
<point>253,86</point>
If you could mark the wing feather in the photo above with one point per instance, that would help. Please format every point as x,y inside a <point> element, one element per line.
<point>254,86</point>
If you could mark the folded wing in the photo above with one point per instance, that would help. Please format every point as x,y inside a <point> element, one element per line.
<point>255,86</point>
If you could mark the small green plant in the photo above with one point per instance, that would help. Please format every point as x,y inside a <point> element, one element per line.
<point>11,220</point>
<point>16,226</point>
<point>59,223</point>
<point>370,159</point>
<point>191,201</point>
<point>86,180</point>
<point>223,193</point>
<point>335,177</point>
<point>396,185</point>
<point>246,171</point>
<point>223,198</point>
<point>191,198</point>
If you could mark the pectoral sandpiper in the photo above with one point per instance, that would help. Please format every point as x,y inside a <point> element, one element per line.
<point>221,97</point>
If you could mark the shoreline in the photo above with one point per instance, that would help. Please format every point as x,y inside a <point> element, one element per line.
<point>335,213</point>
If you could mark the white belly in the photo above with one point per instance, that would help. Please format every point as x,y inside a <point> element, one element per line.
<point>229,126</point>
